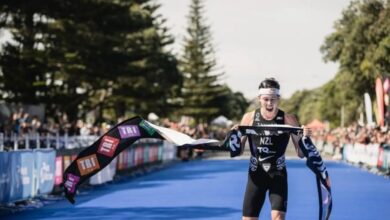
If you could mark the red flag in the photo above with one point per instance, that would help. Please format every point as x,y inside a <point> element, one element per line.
<point>379,98</point>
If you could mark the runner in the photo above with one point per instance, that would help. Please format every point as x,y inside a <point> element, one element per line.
<point>267,171</point>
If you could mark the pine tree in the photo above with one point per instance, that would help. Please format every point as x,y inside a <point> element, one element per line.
<point>22,59</point>
<point>154,80</point>
<point>78,56</point>
<point>198,65</point>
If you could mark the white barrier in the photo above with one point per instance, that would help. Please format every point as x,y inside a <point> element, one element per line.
<point>360,150</point>
<point>329,149</point>
<point>320,145</point>
<point>78,141</point>
<point>386,160</point>
<point>362,153</point>
<point>348,153</point>
<point>169,151</point>
<point>36,141</point>
<point>368,154</point>
<point>105,175</point>
<point>372,152</point>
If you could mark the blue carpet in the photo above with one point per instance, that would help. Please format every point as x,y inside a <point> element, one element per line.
<point>214,190</point>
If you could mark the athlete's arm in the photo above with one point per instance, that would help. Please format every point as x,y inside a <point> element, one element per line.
<point>246,120</point>
<point>292,120</point>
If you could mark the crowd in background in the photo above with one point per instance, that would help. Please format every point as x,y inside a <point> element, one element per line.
<point>196,131</point>
<point>355,133</point>
<point>22,124</point>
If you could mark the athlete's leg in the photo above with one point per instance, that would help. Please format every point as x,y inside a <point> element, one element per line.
<point>249,218</point>
<point>254,196</point>
<point>278,195</point>
<point>278,215</point>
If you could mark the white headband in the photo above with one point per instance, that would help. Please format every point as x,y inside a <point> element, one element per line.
<point>269,91</point>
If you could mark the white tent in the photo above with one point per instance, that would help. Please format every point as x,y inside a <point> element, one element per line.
<point>221,121</point>
<point>152,116</point>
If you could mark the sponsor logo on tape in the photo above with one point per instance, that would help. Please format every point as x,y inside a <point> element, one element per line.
<point>108,146</point>
<point>234,142</point>
<point>253,164</point>
<point>128,131</point>
<point>88,164</point>
<point>251,131</point>
<point>281,162</point>
<point>71,182</point>
<point>147,127</point>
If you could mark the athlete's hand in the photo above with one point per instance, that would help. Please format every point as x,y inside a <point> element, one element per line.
<point>234,127</point>
<point>306,131</point>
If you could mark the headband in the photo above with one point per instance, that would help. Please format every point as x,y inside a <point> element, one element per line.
<point>269,91</point>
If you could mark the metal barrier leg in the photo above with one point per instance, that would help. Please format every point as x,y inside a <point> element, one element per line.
<point>15,138</point>
<point>47,140</point>
<point>1,142</point>
<point>38,141</point>
<point>27,141</point>
<point>57,141</point>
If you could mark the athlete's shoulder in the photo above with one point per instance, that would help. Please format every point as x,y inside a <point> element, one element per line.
<point>247,119</point>
<point>291,119</point>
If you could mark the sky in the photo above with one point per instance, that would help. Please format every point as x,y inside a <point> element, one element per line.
<point>255,39</point>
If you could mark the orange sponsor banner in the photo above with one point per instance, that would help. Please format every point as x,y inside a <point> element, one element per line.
<point>380,101</point>
<point>67,161</point>
<point>88,164</point>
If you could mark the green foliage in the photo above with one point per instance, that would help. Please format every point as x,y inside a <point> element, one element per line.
<point>22,77</point>
<point>77,56</point>
<point>232,105</point>
<point>154,81</point>
<point>201,88</point>
<point>360,44</point>
<point>303,104</point>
